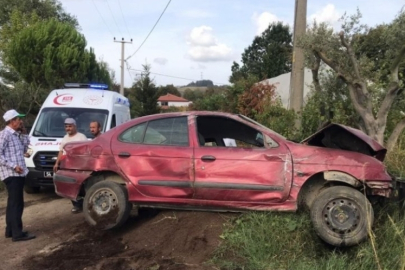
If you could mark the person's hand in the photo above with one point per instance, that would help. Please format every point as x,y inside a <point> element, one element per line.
<point>55,168</point>
<point>18,170</point>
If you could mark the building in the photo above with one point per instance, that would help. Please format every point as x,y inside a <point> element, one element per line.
<point>282,84</point>
<point>170,100</point>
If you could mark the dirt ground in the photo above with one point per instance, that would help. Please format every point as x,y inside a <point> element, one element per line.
<point>151,240</point>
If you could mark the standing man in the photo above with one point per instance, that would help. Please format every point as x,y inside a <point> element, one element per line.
<point>71,136</point>
<point>95,128</point>
<point>13,144</point>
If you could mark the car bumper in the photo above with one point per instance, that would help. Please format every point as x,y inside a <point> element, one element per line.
<point>36,178</point>
<point>68,183</point>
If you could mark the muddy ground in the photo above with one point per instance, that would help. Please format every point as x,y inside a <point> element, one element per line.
<point>151,240</point>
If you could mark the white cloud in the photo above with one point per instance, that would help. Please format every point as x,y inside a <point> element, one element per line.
<point>263,20</point>
<point>204,47</point>
<point>328,14</point>
<point>160,60</point>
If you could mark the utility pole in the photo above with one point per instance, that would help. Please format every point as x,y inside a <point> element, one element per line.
<point>297,73</point>
<point>122,62</point>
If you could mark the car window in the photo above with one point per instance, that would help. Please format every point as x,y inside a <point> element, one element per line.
<point>218,131</point>
<point>133,134</point>
<point>168,131</point>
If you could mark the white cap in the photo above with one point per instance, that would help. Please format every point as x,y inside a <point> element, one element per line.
<point>10,114</point>
<point>70,121</point>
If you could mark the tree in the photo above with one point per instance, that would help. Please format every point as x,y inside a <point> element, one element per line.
<point>268,56</point>
<point>50,53</point>
<point>168,89</point>
<point>144,95</point>
<point>371,97</point>
<point>193,95</point>
<point>45,9</point>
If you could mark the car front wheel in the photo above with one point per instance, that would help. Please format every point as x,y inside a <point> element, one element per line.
<point>342,216</point>
<point>106,205</point>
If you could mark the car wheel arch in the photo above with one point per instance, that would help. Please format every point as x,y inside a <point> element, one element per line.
<point>317,182</point>
<point>101,176</point>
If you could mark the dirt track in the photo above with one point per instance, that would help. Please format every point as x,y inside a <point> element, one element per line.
<point>153,240</point>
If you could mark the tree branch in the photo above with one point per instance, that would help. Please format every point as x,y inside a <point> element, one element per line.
<point>315,73</point>
<point>351,54</point>
<point>395,135</point>
<point>395,64</point>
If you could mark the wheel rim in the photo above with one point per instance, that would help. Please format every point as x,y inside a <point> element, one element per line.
<point>342,216</point>
<point>104,201</point>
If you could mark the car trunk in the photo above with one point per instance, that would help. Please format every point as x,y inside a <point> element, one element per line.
<point>346,138</point>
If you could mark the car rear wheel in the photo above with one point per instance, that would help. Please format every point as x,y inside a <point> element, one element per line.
<point>342,216</point>
<point>106,205</point>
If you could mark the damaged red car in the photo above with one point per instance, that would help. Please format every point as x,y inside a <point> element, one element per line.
<point>226,162</point>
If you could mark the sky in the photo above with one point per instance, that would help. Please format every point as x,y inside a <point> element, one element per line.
<point>196,40</point>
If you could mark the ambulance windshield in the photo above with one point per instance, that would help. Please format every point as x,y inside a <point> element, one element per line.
<point>51,121</point>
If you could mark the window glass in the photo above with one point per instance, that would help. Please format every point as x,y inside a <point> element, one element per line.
<point>168,131</point>
<point>51,121</point>
<point>133,134</point>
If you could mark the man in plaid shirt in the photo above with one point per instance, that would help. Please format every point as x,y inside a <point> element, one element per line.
<point>13,145</point>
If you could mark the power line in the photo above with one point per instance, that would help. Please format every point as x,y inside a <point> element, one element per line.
<point>119,30</point>
<point>129,72</point>
<point>109,30</point>
<point>175,77</point>
<point>150,31</point>
<point>125,22</point>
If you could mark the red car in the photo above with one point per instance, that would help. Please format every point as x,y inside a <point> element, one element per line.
<point>218,161</point>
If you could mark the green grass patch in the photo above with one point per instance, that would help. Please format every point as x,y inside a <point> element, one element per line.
<point>287,241</point>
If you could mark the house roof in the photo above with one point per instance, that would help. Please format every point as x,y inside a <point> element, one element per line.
<point>170,97</point>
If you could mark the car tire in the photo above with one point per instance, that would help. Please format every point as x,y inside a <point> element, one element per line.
<point>31,190</point>
<point>106,205</point>
<point>342,216</point>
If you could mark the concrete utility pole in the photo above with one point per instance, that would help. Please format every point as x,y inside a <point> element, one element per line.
<point>297,73</point>
<point>122,62</point>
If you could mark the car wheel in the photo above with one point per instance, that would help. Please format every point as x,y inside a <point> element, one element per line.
<point>106,205</point>
<point>31,190</point>
<point>342,216</point>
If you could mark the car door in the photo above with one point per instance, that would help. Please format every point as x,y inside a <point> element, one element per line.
<point>157,158</point>
<point>257,169</point>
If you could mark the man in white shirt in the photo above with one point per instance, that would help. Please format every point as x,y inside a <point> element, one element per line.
<point>71,136</point>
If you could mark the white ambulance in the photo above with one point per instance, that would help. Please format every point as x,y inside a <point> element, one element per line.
<point>83,102</point>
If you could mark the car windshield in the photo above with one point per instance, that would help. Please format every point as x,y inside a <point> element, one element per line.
<point>260,125</point>
<point>51,121</point>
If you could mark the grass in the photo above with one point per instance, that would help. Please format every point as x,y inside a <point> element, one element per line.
<point>287,241</point>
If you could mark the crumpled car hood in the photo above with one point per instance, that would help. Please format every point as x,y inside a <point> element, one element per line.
<point>338,136</point>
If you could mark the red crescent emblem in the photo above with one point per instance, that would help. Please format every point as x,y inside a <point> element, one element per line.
<point>63,99</point>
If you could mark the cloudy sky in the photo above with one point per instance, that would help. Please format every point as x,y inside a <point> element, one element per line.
<point>198,39</point>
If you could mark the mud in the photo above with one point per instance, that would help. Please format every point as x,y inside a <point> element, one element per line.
<point>152,240</point>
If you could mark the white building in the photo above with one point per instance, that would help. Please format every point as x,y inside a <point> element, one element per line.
<point>282,84</point>
<point>172,100</point>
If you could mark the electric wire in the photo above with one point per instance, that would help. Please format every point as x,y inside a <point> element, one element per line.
<point>102,18</point>
<point>119,30</point>
<point>125,22</point>
<point>150,31</point>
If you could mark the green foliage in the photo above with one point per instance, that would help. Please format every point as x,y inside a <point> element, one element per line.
<point>144,95</point>
<point>287,241</point>
<point>279,119</point>
<point>193,95</point>
<point>213,100</point>
<point>168,89</point>
<point>46,9</point>
<point>331,103</point>
<point>268,56</point>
